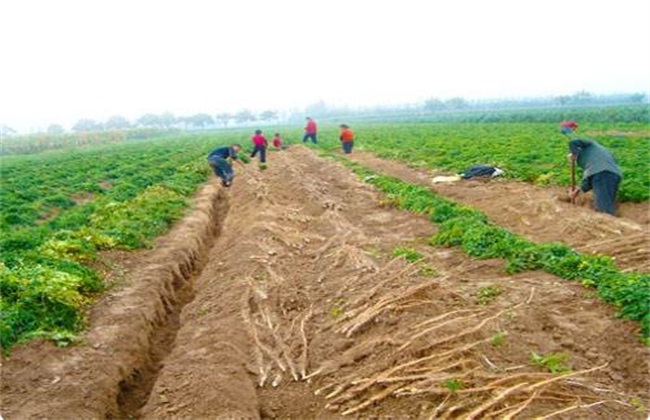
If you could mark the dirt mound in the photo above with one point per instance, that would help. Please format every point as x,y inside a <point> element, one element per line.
<point>302,311</point>
<point>542,214</point>
<point>89,379</point>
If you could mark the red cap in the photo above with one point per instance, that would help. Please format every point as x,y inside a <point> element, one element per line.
<point>570,123</point>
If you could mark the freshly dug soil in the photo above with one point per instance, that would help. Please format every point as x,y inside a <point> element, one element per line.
<point>282,297</point>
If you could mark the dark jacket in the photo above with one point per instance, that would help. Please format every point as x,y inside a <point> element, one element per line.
<point>593,158</point>
<point>223,153</point>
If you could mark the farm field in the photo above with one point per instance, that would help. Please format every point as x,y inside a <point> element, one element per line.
<point>530,152</point>
<point>60,209</point>
<point>305,292</point>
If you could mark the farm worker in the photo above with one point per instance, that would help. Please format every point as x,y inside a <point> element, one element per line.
<point>219,161</point>
<point>277,141</point>
<point>347,138</point>
<point>259,145</point>
<point>568,127</point>
<point>310,131</point>
<point>600,172</point>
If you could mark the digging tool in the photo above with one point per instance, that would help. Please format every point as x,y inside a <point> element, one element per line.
<point>568,129</point>
<point>573,180</point>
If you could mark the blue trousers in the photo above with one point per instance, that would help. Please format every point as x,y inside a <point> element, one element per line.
<point>308,136</point>
<point>222,169</point>
<point>347,147</point>
<point>262,150</point>
<point>605,185</point>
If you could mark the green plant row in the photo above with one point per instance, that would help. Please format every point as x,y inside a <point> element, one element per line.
<point>46,279</point>
<point>471,230</point>
<point>615,114</point>
<point>45,289</point>
<point>530,152</point>
<point>61,208</point>
<point>38,188</point>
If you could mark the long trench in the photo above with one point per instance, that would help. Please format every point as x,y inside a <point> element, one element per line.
<point>135,389</point>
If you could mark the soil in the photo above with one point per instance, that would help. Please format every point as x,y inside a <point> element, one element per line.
<point>83,197</point>
<point>542,214</point>
<point>281,298</point>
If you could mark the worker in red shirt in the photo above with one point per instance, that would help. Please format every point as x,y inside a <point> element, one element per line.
<point>310,131</point>
<point>568,127</point>
<point>347,138</point>
<point>277,142</point>
<point>259,145</point>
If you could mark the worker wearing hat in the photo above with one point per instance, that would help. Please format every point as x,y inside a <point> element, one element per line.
<point>600,171</point>
<point>568,127</point>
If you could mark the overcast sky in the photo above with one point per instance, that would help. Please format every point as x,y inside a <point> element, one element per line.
<point>61,60</point>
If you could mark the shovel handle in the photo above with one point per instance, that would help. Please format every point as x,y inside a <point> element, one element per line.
<point>573,180</point>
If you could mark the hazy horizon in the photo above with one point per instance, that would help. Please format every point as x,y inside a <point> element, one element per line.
<point>68,60</point>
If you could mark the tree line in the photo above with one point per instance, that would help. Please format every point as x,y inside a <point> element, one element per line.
<point>201,121</point>
<point>168,121</point>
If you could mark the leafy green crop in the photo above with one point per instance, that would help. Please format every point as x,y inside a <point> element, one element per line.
<point>475,234</point>
<point>38,298</point>
<point>531,152</point>
<point>498,338</point>
<point>488,294</point>
<point>453,385</point>
<point>409,254</point>
<point>553,362</point>
<point>61,208</point>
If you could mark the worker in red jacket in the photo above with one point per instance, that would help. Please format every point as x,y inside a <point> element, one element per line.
<point>310,131</point>
<point>277,142</point>
<point>259,145</point>
<point>568,127</point>
<point>347,138</point>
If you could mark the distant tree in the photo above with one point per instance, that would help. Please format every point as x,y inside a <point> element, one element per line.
<point>582,97</point>
<point>150,120</point>
<point>433,104</point>
<point>117,122</point>
<point>224,118</point>
<point>183,120</point>
<point>456,103</point>
<point>200,120</point>
<point>6,131</point>
<point>167,120</point>
<point>55,129</point>
<point>317,109</point>
<point>269,115</point>
<point>86,124</point>
<point>637,98</point>
<point>563,100</point>
<point>245,116</point>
